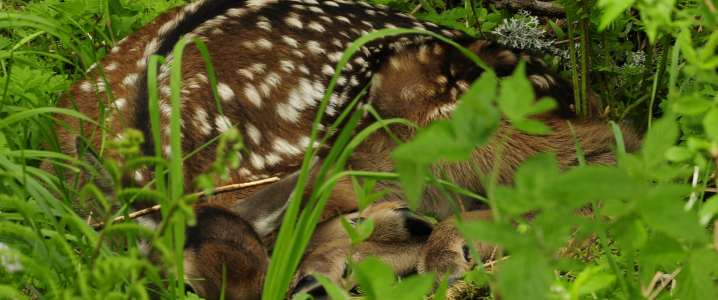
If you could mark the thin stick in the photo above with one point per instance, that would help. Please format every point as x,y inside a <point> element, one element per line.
<point>647,291</point>
<point>415,10</point>
<point>491,263</point>
<point>232,187</point>
<point>665,283</point>
<point>218,190</point>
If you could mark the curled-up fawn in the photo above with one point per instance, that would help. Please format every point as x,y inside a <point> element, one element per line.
<point>273,60</point>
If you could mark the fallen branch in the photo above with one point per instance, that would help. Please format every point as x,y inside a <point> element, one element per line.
<point>218,190</point>
<point>548,9</point>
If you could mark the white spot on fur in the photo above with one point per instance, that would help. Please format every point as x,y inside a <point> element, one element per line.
<point>225,92</point>
<point>120,103</point>
<point>335,57</point>
<point>115,49</point>
<point>266,25</point>
<point>316,27</point>
<point>252,95</point>
<point>343,19</point>
<point>257,161</point>
<point>86,86</point>
<point>272,159</point>
<point>222,123</point>
<point>131,80</point>
<point>111,67</point>
<point>273,79</point>
<point>290,41</point>
<point>287,66</point>
<point>316,9</point>
<point>331,3</point>
<point>328,70</point>
<point>315,48</point>
<point>246,73</point>
<point>282,146</point>
<point>203,121</point>
<point>304,69</point>
<point>236,12</point>
<point>293,21</point>
<point>138,176</point>
<point>253,133</point>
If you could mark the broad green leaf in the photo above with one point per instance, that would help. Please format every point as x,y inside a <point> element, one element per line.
<point>476,118</point>
<point>708,211</point>
<point>659,138</point>
<point>375,277</point>
<point>612,9</point>
<point>710,123</point>
<point>516,95</point>
<point>695,282</point>
<point>332,289</point>
<point>577,187</point>
<point>440,293</point>
<point>691,105</point>
<point>525,276</point>
<point>560,35</point>
<point>412,177</point>
<point>663,249</point>
<point>531,126</point>
<point>662,210</point>
<point>432,143</point>
<point>415,287</point>
<point>679,153</point>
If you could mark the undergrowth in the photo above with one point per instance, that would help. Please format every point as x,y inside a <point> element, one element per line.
<point>651,64</point>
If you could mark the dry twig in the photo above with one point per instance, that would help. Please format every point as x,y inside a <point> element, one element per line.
<point>218,190</point>
<point>664,283</point>
<point>416,9</point>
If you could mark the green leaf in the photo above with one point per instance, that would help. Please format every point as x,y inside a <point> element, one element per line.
<point>659,138</point>
<point>595,283</point>
<point>531,126</point>
<point>560,35</point>
<point>516,95</point>
<point>612,9</point>
<point>577,187</point>
<point>708,211</point>
<point>414,287</point>
<point>663,249</point>
<point>525,276</point>
<point>375,277</point>
<point>679,153</point>
<point>662,209</point>
<point>433,143</point>
<point>475,118</point>
<point>691,105</point>
<point>332,289</point>
<point>710,123</point>
<point>412,178</point>
<point>362,231</point>
<point>695,282</point>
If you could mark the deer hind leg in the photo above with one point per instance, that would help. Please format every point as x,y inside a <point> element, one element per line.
<point>447,249</point>
<point>398,238</point>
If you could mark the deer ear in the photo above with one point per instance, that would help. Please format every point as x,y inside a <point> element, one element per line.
<point>101,177</point>
<point>264,210</point>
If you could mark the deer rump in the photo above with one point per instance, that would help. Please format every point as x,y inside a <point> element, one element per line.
<point>273,61</point>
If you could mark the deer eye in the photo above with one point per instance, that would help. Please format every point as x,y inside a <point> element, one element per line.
<point>189,288</point>
<point>467,253</point>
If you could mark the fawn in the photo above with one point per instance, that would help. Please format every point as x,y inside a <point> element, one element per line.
<point>273,60</point>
